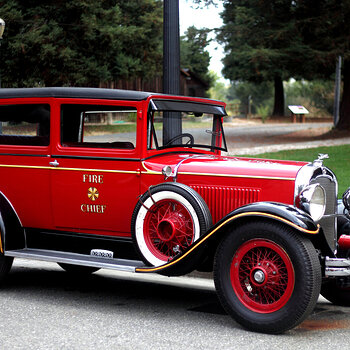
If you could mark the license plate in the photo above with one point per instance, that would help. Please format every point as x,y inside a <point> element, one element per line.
<point>102,253</point>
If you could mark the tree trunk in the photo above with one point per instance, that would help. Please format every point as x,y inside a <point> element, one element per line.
<point>278,107</point>
<point>344,115</point>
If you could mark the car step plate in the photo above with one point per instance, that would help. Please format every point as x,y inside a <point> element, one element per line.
<point>76,259</point>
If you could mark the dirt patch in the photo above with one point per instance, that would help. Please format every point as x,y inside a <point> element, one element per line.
<point>323,325</point>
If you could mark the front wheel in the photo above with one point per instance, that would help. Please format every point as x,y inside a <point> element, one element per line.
<point>268,277</point>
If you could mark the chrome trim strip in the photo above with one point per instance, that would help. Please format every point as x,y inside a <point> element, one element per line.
<point>96,158</point>
<point>25,155</point>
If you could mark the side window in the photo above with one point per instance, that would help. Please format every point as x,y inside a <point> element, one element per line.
<point>98,126</point>
<point>25,124</point>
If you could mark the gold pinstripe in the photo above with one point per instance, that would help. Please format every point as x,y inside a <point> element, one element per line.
<point>155,269</point>
<point>152,172</point>
<point>69,169</point>
<point>148,172</point>
<point>1,248</point>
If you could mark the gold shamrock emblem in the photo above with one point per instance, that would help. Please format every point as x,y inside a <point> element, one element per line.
<point>93,193</point>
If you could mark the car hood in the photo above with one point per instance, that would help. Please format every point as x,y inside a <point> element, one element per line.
<point>203,164</point>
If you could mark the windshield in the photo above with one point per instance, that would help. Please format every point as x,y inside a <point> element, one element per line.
<point>185,124</point>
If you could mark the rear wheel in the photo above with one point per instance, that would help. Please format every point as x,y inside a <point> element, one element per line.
<point>267,277</point>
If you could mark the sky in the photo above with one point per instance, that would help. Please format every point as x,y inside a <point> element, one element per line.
<point>207,18</point>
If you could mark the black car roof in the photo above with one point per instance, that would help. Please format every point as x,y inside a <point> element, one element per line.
<point>74,92</point>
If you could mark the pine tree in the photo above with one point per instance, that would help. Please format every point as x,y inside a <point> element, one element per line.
<point>194,55</point>
<point>262,43</point>
<point>80,42</point>
<point>325,29</point>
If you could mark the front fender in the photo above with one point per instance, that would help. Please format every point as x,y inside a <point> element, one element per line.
<point>207,244</point>
<point>12,232</point>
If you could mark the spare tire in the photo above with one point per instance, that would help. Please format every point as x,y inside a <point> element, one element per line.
<point>167,219</point>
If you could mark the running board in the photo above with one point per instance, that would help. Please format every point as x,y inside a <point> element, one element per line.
<point>76,259</point>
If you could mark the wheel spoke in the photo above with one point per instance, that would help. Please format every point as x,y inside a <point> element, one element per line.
<point>265,258</point>
<point>179,232</point>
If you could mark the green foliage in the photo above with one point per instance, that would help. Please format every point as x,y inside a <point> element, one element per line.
<point>261,44</point>
<point>339,158</point>
<point>193,54</point>
<point>218,90</point>
<point>263,111</point>
<point>258,95</point>
<point>316,96</point>
<point>205,2</point>
<point>79,43</point>
<point>260,39</point>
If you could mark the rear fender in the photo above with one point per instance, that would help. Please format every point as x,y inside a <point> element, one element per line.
<point>206,245</point>
<point>12,232</point>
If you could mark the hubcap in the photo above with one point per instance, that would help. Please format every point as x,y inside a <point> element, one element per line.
<point>259,276</point>
<point>169,229</point>
<point>166,230</point>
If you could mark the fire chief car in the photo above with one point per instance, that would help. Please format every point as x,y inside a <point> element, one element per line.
<point>141,182</point>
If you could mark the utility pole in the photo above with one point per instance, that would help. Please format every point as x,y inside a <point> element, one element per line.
<point>337,91</point>
<point>171,66</point>
<point>2,29</point>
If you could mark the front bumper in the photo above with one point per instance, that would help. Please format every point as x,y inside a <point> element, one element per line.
<point>337,267</point>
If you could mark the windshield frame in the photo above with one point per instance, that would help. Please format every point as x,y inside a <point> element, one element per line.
<point>192,108</point>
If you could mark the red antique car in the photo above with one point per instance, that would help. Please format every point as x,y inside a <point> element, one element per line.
<point>134,181</point>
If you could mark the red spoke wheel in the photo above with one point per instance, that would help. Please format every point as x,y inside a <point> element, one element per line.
<point>262,275</point>
<point>168,228</point>
<point>267,276</point>
<point>167,220</point>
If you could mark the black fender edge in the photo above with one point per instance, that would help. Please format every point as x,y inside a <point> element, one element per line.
<point>12,232</point>
<point>286,214</point>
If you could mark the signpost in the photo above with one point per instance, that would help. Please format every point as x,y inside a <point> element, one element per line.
<point>298,111</point>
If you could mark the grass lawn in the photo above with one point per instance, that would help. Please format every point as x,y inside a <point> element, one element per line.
<point>338,162</point>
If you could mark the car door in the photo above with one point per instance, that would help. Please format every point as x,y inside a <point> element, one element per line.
<point>24,158</point>
<point>96,167</point>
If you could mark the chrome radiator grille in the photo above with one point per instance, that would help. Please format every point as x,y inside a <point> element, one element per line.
<point>328,224</point>
<point>221,199</point>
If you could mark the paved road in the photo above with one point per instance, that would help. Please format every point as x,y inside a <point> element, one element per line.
<point>254,138</point>
<point>259,138</point>
<point>43,308</point>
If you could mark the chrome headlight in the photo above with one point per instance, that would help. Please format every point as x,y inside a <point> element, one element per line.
<point>167,171</point>
<point>312,199</point>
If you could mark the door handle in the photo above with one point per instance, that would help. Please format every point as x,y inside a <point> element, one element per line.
<point>54,163</point>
